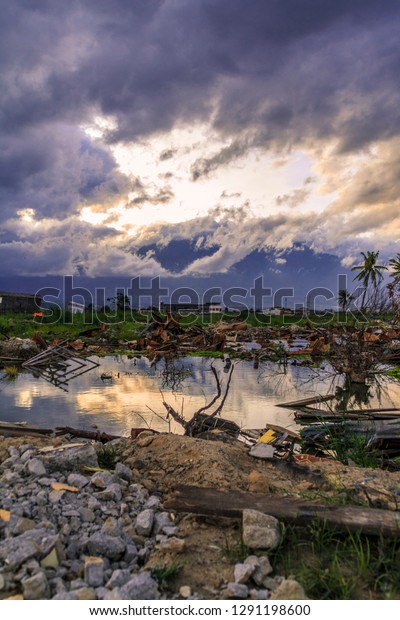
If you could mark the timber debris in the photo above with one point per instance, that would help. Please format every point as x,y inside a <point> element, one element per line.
<point>208,501</point>
<point>58,366</point>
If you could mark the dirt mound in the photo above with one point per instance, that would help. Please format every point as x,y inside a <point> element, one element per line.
<point>172,459</point>
<point>168,460</point>
<point>214,545</point>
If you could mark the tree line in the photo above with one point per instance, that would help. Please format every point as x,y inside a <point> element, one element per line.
<point>370,274</point>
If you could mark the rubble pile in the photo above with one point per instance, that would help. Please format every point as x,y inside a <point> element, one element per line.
<point>65,535</point>
<point>70,535</point>
<point>18,348</point>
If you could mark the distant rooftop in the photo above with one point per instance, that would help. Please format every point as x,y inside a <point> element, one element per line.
<point>7,294</point>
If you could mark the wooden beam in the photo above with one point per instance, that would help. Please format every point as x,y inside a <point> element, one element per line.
<point>23,430</point>
<point>77,432</point>
<point>207,501</point>
<point>345,415</point>
<point>306,401</point>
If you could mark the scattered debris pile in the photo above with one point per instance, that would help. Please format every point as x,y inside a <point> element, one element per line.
<point>166,335</point>
<point>58,366</point>
<point>17,349</point>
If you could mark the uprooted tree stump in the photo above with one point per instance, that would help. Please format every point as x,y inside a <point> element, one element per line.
<point>202,421</point>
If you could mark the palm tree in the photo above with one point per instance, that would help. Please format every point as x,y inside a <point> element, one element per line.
<point>395,271</point>
<point>344,299</point>
<point>369,272</point>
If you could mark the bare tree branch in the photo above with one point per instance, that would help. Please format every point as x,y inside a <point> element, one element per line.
<point>218,394</point>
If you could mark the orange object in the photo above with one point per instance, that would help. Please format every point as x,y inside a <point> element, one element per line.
<point>59,486</point>
<point>309,458</point>
<point>5,515</point>
<point>37,314</point>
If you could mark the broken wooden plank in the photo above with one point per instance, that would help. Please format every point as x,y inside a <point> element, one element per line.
<point>344,415</point>
<point>16,430</point>
<point>306,401</point>
<point>77,432</point>
<point>12,359</point>
<point>208,501</point>
<point>369,410</point>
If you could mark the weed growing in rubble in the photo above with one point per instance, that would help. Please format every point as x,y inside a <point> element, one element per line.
<point>352,447</point>
<point>167,571</point>
<point>235,550</point>
<point>107,457</point>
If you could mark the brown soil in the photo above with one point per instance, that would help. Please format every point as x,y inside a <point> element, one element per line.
<point>214,546</point>
<point>7,442</point>
<point>173,459</point>
<point>211,550</point>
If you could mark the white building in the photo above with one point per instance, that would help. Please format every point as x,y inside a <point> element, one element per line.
<point>273,311</point>
<point>76,308</point>
<point>212,308</point>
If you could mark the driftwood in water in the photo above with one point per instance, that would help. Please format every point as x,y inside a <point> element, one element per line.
<point>207,501</point>
<point>16,360</point>
<point>366,414</point>
<point>77,432</point>
<point>200,421</point>
<point>360,411</point>
<point>58,366</point>
<point>16,430</point>
<point>306,401</point>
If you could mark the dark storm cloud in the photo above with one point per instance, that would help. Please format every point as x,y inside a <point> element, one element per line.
<point>159,196</point>
<point>167,154</point>
<point>279,75</point>
<point>202,167</point>
<point>275,65</point>
<point>53,169</point>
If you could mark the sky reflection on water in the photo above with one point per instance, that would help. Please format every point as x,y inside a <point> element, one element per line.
<point>118,403</point>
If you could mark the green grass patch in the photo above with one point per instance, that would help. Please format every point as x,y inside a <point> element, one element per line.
<point>213,354</point>
<point>11,372</point>
<point>234,548</point>
<point>61,324</point>
<point>163,573</point>
<point>107,456</point>
<point>393,372</point>
<point>348,446</point>
<point>339,566</point>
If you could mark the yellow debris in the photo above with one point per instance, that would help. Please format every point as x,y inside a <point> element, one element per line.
<point>5,515</point>
<point>268,437</point>
<point>59,486</point>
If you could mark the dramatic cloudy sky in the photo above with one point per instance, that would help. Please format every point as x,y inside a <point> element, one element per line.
<point>183,136</point>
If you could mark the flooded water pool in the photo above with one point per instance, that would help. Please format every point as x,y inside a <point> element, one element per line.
<point>117,395</point>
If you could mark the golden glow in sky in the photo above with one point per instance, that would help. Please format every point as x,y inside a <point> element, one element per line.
<point>165,191</point>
